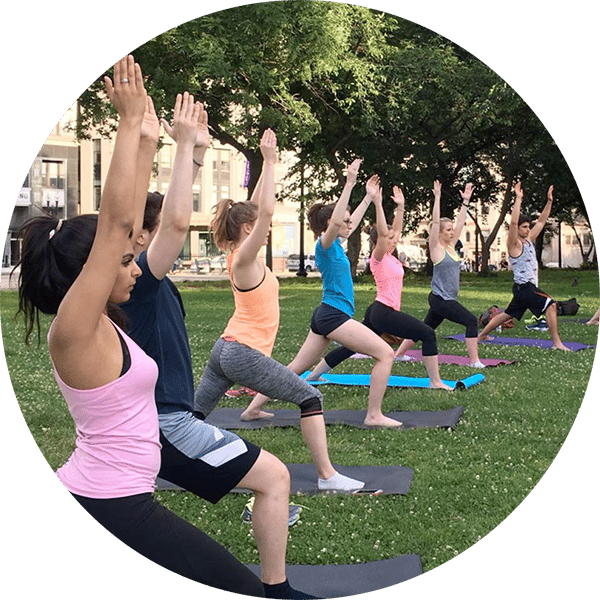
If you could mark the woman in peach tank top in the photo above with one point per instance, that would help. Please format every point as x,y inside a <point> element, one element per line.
<point>243,353</point>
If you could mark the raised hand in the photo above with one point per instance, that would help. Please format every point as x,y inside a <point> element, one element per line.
<point>398,196</point>
<point>518,190</point>
<point>126,91</point>
<point>185,119</point>
<point>150,125</point>
<point>268,146</point>
<point>202,134</point>
<point>550,193</point>
<point>352,170</point>
<point>437,189</point>
<point>373,186</point>
<point>467,193</point>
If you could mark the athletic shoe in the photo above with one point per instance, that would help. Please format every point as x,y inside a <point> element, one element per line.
<point>239,392</point>
<point>294,512</point>
<point>406,358</point>
<point>477,365</point>
<point>286,591</point>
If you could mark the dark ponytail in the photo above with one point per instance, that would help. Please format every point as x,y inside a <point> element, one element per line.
<point>318,217</point>
<point>52,256</point>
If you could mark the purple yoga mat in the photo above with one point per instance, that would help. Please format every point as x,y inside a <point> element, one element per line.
<point>532,342</point>
<point>450,359</point>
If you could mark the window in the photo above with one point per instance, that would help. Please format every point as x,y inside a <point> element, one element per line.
<point>221,175</point>
<point>468,236</point>
<point>53,174</point>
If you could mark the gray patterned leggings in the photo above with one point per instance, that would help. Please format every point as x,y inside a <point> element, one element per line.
<point>231,362</point>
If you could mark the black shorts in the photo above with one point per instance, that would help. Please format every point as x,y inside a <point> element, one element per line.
<point>199,477</point>
<point>527,296</point>
<point>326,319</point>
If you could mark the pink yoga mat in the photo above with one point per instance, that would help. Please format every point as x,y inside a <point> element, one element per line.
<point>450,359</point>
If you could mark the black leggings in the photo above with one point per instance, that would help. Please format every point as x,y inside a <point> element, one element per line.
<point>381,318</point>
<point>170,541</point>
<point>440,309</point>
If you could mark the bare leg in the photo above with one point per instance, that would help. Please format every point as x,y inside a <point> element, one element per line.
<point>316,373</point>
<point>433,372</point>
<point>358,337</point>
<point>473,350</point>
<point>552,320</point>
<point>269,479</point>
<point>595,319</point>
<point>404,347</point>
<point>493,323</point>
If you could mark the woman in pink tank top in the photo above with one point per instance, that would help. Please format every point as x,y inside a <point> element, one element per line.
<point>77,270</point>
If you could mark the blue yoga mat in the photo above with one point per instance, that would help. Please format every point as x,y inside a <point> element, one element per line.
<point>394,381</point>
<point>532,342</point>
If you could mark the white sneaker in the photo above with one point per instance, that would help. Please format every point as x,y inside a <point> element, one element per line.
<point>477,365</point>
<point>340,483</point>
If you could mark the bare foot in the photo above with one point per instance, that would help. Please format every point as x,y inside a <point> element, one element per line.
<point>485,338</point>
<point>440,386</point>
<point>309,378</point>
<point>381,421</point>
<point>561,347</point>
<point>249,415</point>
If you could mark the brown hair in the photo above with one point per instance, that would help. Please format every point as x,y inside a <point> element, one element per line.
<point>318,217</point>
<point>228,220</point>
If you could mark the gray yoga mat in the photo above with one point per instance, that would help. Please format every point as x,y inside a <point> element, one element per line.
<point>388,479</point>
<point>229,418</point>
<point>335,581</point>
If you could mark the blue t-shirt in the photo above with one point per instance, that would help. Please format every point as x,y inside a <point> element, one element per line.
<point>156,323</point>
<point>338,289</point>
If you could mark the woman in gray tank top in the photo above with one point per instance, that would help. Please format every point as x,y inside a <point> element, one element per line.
<point>443,303</point>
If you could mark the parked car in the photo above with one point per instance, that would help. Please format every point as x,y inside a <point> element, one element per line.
<point>201,265</point>
<point>218,263</point>
<point>293,262</point>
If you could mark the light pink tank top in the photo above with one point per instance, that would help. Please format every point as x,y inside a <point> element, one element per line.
<point>117,450</point>
<point>389,275</point>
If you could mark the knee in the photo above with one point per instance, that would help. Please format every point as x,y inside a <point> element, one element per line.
<point>311,407</point>
<point>386,355</point>
<point>472,327</point>
<point>275,477</point>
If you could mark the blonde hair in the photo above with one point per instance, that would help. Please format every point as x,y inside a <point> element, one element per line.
<point>443,221</point>
<point>228,220</point>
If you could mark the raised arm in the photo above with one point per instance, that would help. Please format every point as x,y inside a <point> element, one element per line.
<point>512,240</point>
<point>339,212</point>
<point>177,205</point>
<point>541,221</point>
<point>381,222</point>
<point>397,224</point>
<point>244,264</point>
<point>435,248</point>
<point>462,213</point>
<point>359,212</point>
<point>79,313</point>
<point>148,143</point>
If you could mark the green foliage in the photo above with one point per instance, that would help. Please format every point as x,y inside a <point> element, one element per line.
<point>466,481</point>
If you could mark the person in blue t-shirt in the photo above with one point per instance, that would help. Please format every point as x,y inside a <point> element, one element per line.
<point>332,319</point>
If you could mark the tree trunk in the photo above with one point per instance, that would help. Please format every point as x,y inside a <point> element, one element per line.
<point>354,250</point>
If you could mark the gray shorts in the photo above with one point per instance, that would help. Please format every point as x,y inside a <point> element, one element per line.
<point>231,362</point>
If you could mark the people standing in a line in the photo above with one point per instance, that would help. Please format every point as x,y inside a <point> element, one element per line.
<point>243,352</point>
<point>520,244</point>
<point>196,456</point>
<point>332,319</point>
<point>78,270</point>
<point>445,283</point>
<point>384,316</point>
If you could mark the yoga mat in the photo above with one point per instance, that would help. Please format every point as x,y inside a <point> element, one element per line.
<point>532,342</point>
<point>229,418</point>
<point>389,479</point>
<point>336,581</point>
<point>450,359</point>
<point>364,379</point>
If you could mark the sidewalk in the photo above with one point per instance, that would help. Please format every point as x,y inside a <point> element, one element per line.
<point>183,275</point>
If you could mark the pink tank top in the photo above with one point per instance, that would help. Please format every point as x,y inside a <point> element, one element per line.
<point>388,274</point>
<point>117,450</point>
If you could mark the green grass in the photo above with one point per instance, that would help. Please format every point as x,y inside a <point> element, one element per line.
<point>465,481</point>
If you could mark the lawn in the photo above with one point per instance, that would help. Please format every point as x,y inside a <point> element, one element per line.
<point>465,482</point>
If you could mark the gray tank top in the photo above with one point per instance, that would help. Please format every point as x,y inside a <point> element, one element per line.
<point>446,277</point>
<point>525,266</point>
